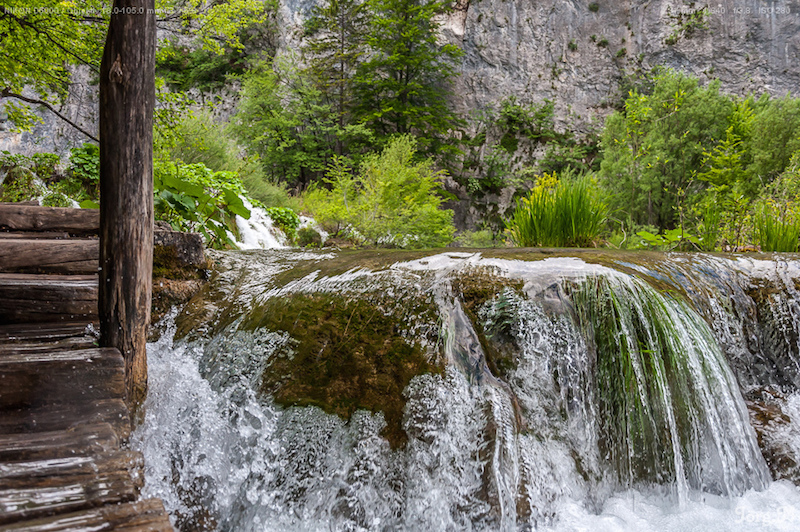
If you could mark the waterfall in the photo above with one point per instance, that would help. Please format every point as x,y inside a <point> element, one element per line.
<point>454,391</point>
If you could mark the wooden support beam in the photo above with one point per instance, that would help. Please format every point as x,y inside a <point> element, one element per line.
<point>74,256</point>
<point>17,217</point>
<point>127,100</point>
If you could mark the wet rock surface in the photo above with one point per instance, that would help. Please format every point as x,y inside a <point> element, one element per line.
<point>772,425</point>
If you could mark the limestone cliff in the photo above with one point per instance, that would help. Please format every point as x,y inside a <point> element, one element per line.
<point>574,52</point>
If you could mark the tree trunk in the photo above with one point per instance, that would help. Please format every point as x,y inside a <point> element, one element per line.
<point>127,100</point>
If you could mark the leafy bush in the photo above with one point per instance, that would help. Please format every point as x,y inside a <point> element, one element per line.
<point>194,198</point>
<point>56,199</point>
<point>285,219</point>
<point>19,174</point>
<point>559,213</point>
<point>309,238</point>
<point>197,138</point>
<point>393,201</point>
<point>85,170</point>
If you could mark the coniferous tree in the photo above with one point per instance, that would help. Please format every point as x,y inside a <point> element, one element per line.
<point>337,32</point>
<point>402,87</point>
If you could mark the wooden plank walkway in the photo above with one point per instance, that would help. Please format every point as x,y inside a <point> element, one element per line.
<point>64,425</point>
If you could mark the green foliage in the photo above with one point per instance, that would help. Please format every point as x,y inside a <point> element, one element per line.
<point>183,68</point>
<point>403,84</point>
<point>775,136</point>
<point>307,237</point>
<point>392,202</point>
<point>56,199</point>
<point>22,177</point>
<point>483,238</point>
<point>532,121</point>
<point>337,42</point>
<point>670,239</point>
<point>573,46</point>
<point>654,148</point>
<point>285,219</point>
<point>559,213</point>
<point>594,7</point>
<point>777,228</point>
<point>192,197</point>
<point>284,119</point>
<point>43,38</point>
<point>84,168</point>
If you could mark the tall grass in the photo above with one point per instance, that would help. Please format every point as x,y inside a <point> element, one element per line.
<point>569,215</point>
<point>776,229</point>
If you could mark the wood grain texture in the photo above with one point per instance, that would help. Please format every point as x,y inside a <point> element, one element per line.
<point>56,417</point>
<point>32,380</point>
<point>44,331</point>
<point>127,100</point>
<point>147,515</point>
<point>82,440</point>
<point>30,298</point>
<point>71,256</point>
<point>19,217</point>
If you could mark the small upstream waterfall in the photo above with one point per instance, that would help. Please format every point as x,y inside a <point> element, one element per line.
<point>559,394</point>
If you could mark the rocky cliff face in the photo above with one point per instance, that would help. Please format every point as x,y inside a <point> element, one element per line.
<point>577,52</point>
<point>574,52</point>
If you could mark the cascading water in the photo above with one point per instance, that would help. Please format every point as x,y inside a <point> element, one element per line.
<point>387,391</point>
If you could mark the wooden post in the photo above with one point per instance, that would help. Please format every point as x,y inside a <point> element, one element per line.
<point>127,101</point>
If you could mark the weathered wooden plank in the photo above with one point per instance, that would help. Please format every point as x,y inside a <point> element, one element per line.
<point>83,440</point>
<point>18,217</point>
<point>75,376</point>
<point>50,418</point>
<point>65,344</point>
<point>29,298</point>
<point>28,202</point>
<point>66,494</point>
<point>72,256</point>
<point>148,515</point>
<point>27,235</point>
<point>46,472</point>
<point>44,331</point>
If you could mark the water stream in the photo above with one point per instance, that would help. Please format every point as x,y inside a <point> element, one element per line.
<point>479,391</point>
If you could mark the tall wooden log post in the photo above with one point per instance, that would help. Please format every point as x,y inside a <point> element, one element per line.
<point>127,101</point>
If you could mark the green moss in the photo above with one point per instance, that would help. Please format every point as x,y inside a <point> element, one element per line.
<point>166,264</point>
<point>481,287</point>
<point>346,355</point>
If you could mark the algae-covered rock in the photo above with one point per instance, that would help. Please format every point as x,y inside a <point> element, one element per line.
<point>345,354</point>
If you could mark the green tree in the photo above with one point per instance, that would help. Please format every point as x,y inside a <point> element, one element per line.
<point>654,148</point>
<point>392,202</point>
<point>285,120</point>
<point>337,31</point>
<point>43,39</point>
<point>775,137</point>
<point>403,86</point>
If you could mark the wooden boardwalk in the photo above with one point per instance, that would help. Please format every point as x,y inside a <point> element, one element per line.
<point>64,425</point>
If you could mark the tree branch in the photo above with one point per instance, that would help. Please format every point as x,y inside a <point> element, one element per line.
<point>5,93</point>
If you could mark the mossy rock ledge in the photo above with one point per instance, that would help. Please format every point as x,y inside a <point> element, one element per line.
<point>345,354</point>
<point>179,269</point>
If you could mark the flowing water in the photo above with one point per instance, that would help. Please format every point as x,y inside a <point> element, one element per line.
<point>480,391</point>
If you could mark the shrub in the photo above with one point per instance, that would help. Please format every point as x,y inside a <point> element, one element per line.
<point>309,238</point>
<point>84,168</point>
<point>56,199</point>
<point>594,7</point>
<point>194,198</point>
<point>392,202</point>
<point>565,213</point>
<point>285,219</point>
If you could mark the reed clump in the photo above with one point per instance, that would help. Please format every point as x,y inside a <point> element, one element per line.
<point>566,212</point>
